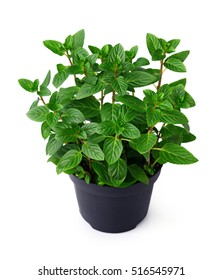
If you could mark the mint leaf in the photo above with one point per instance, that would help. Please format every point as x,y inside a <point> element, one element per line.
<point>138,173</point>
<point>38,113</point>
<point>73,115</point>
<point>153,43</point>
<point>173,117</point>
<point>45,130</point>
<point>87,90</point>
<point>181,55</point>
<point>28,85</point>
<point>119,85</point>
<point>53,145</point>
<point>55,46</point>
<point>47,79</point>
<point>117,172</point>
<point>175,65</point>
<point>145,142</point>
<point>92,151</point>
<point>130,131</point>
<point>117,54</point>
<point>112,149</point>
<point>141,79</point>
<point>78,39</point>
<point>133,102</point>
<point>70,160</point>
<point>177,154</point>
<point>60,78</point>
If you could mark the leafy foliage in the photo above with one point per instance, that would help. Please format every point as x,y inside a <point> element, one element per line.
<point>99,129</point>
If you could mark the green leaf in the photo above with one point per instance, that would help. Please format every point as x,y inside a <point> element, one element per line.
<point>152,116</point>
<point>130,131</point>
<point>34,103</point>
<point>54,102</point>
<point>174,153</point>
<point>78,39</point>
<point>101,170</point>
<point>107,127</point>
<point>117,54</point>
<point>187,101</point>
<point>109,111</point>
<point>94,49</point>
<point>38,113</point>
<point>90,128</point>
<point>87,90</point>
<point>46,80</point>
<point>44,91</point>
<point>150,97</point>
<point>69,134</point>
<point>141,78</point>
<point>171,45</point>
<point>142,61</point>
<point>138,173</point>
<point>55,47</point>
<point>52,119</point>
<point>73,115</point>
<point>28,85</point>
<point>35,85</point>
<point>158,55</point>
<point>112,149</point>
<point>45,130</point>
<point>67,94</point>
<point>132,102</point>
<point>145,143</point>
<point>92,80</point>
<point>153,43</point>
<point>117,172</point>
<point>170,130</point>
<point>53,145</point>
<point>70,160</point>
<point>93,151</point>
<point>179,82</point>
<point>69,42</point>
<point>88,106</point>
<point>173,117</point>
<point>181,55</point>
<point>175,65</point>
<point>60,78</point>
<point>125,113</point>
<point>119,85</point>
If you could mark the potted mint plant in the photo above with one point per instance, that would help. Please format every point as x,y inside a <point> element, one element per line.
<point>115,126</point>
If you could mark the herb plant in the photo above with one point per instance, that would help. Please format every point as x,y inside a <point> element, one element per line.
<point>100,129</point>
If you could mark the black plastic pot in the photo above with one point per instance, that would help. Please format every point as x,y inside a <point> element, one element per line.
<point>110,209</point>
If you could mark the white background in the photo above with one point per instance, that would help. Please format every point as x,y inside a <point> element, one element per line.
<point>40,222</point>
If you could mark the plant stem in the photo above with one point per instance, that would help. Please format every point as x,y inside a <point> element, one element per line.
<point>70,61</point>
<point>43,101</point>
<point>154,163</point>
<point>90,165</point>
<point>113,97</point>
<point>161,73</point>
<point>158,86</point>
<point>102,97</point>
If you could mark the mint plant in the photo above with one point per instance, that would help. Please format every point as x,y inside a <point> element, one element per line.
<point>101,129</point>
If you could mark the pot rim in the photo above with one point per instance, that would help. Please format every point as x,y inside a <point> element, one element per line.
<point>114,191</point>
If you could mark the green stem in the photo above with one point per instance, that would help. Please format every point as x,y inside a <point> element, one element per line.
<point>70,61</point>
<point>154,163</point>
<point>161,74</point>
